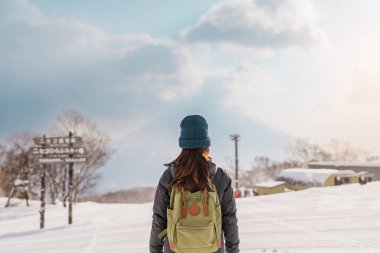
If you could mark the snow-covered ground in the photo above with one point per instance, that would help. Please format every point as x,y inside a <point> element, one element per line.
<point>334,219</point>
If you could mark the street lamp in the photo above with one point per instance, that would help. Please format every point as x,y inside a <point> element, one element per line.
<point>236,137</point>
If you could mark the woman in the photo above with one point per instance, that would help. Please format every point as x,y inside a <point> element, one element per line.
<point>192,170</point>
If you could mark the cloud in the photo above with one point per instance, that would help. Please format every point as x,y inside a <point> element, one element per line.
<point>168,66</point>
<point>365,87</point>
<point>275,24</point>
<point>64,63</point>
<point>123,82</point>
<point>137,86</point>
<point>246,88</point>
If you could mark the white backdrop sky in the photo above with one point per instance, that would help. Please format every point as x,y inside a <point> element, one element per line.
<point>307,68</point>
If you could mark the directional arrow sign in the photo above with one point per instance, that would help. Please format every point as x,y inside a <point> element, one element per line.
<point>54,151</point>
<point>62,160</point>
<point>58,141</point>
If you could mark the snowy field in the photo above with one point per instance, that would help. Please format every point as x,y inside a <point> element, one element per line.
<point>335,219</point>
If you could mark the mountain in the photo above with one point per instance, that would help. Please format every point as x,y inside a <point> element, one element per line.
<point>133,195</point>
<point>142,153</point>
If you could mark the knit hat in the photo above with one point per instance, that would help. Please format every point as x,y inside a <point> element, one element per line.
<point>194,132</point>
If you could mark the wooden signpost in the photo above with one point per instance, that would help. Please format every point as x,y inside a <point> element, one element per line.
<point>62,150</point>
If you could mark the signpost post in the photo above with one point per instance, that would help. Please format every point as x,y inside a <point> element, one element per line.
<point>62,150</point>
<point>42,208</point>
<point>71,172</point>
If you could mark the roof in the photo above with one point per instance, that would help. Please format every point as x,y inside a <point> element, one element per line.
<point>374,164</point>
<point>311,175</point>
<point>270,184</point>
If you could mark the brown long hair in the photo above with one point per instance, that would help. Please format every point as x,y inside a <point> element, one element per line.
<point>192,169</point>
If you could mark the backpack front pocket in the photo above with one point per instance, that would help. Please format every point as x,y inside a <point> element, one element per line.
<point>171,234</point>
<point>192,237</point>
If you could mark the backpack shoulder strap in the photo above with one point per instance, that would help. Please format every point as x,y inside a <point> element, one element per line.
<point>173,193</point>
<point>162,234</point>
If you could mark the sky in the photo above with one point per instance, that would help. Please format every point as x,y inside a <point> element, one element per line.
<point>274,70</point>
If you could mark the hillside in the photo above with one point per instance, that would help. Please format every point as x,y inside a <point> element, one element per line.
<point>136,195</point>
<point>335,219</point>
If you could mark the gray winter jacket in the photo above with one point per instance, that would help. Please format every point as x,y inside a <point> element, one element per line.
<point>225,193</point>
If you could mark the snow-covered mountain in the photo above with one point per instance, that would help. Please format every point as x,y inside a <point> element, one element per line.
<point>142,153</point>
<point>318,220</point>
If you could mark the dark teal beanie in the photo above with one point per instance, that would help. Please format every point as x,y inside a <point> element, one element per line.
<point>194,132</point>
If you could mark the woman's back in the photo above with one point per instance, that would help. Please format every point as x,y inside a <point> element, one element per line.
<point>192,171</point>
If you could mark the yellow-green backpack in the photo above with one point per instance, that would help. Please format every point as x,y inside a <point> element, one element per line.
<point>194,221</point>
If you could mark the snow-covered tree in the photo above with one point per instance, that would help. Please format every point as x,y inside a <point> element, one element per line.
<point>15,162</point>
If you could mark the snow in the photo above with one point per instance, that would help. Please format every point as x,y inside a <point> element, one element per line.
<point>19,182</point>
<point>311,175</point>
<point>270,184</point>
<point>318,220</point>
<point>373,164</point>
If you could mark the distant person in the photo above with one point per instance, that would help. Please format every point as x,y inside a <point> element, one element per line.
<point>247,193</point>
<point>338,180</point>
<point>194,207</point>
<point>237,194</point>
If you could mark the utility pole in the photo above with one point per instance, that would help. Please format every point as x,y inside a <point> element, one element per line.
<point>236,137</point>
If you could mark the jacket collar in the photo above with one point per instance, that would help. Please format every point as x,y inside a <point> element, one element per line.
<point>212,168</point>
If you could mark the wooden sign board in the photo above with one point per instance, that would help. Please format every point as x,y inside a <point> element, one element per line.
<point>56,151</point>
<point>58,141</point>
<point>49,150</point>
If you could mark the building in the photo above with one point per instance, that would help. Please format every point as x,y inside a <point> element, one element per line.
<point>371,168</point>
<point>302,178</point>
<point>269,187</point>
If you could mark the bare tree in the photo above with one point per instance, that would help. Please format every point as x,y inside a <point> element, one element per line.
<point>2,169</point>
<point>265,169</point>
<point>304,151</point>
<point>53,182</point>
<point>98,150</point>
<point>344,151</point>
<point>2,152</point>
<point>16,166</point>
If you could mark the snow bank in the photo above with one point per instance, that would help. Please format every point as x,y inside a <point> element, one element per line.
<point>270,184</point>
<point>371,164</point>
